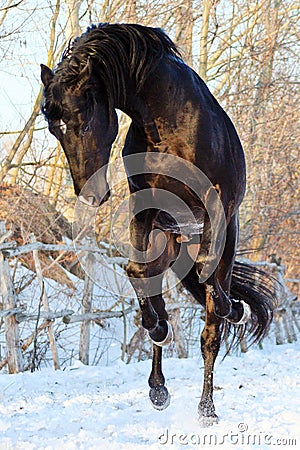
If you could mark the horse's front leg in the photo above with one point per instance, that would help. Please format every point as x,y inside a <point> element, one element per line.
<point>146,278</point>
<point>210,345</point>
<point>158,394</point>
<point>154,319</point>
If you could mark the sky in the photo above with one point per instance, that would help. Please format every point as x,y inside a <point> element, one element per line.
<point>21,54</point>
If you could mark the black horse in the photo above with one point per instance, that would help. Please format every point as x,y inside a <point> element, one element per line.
<point>180,140</point>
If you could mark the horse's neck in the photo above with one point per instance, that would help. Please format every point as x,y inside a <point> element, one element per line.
<point>164,108</point>
<point>142,116</point>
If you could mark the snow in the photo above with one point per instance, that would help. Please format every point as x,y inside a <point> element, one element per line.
<point>95,407</point>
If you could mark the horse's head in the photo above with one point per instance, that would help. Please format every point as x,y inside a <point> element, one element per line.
<point>80,117</point>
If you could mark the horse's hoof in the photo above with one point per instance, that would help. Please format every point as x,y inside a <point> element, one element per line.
<point>160,397</point>
<point>207,415</point>
<point>208,421</point>
<point>167,340</point>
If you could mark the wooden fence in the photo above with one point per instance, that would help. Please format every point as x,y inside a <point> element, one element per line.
<point>286,317</point>
<point>13,315</point>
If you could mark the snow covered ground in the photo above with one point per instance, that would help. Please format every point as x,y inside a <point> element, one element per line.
<point>256,397</point>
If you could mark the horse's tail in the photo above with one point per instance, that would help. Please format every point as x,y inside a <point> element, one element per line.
<point>259,290</point>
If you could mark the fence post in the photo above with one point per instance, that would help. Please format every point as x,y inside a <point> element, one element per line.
<point>85,329</point>
<point>13,349</point>
<point>39,274</point>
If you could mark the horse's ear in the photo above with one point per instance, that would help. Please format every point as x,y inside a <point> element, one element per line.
<point>46,74</point>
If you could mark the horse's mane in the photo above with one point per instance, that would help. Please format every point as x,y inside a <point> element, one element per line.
<point>116,51</point>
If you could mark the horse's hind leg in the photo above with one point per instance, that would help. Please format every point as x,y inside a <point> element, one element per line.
<point>210,345</point>
<point>235,311</point>
<point>222,303</point>
<point>240,311</point>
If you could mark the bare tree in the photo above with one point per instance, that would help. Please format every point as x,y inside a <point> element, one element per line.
<point>73,27</point>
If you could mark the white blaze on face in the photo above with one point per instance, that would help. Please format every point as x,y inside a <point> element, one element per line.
<point>63,126</point>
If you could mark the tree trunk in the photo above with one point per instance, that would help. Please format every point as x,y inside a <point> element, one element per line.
<point>39,274</point>
<point>131,15</point>
<point>207,4</point>
<point>13,349</point>
<point>73,28</point>
<point>184,31</point>
<point>84,345</point>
